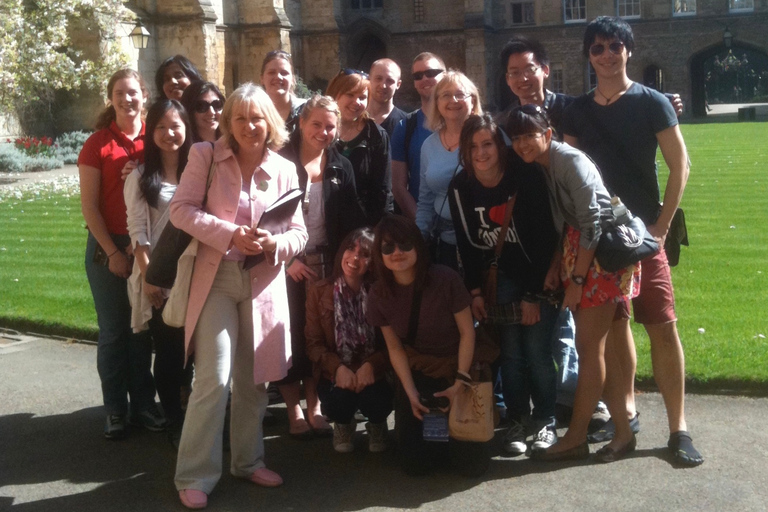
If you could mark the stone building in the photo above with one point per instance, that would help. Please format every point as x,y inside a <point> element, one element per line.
<point>227,39</point>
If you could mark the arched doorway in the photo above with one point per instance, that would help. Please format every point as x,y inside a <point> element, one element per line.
<point>721,74</point>
<point>364,50</point>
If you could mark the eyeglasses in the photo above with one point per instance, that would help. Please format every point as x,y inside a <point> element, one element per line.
<point>202,106</point>
<point>528,72</point>
<point>615,48</point>
<point>458,96</point>
<point>526,137</point>
<point>429,73</point>
<point>350,71</point>
<point>388,248</point>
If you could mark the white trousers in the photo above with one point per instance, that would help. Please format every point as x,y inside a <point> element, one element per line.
<point>223,341</point>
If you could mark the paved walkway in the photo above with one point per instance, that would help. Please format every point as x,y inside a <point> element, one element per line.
<point>53,458</point>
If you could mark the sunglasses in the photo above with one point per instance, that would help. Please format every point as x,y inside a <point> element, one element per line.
<point>615,48</point>
<point>526,137</point>
<point>350,71</point>
<point>388,248</point>
<point>429,73</point>
<point>202,106</point>
<point>274,53</point>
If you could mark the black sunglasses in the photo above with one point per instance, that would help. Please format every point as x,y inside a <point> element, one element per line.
<point>615,48</point>
<point>350,71</point>
<point>388,248</point>
<point>429,73</point>
<point>202,106</point>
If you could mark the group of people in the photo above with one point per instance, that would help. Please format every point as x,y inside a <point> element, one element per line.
<point>369,310</point>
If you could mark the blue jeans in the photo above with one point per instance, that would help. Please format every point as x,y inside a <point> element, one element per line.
<point>123,358</point>
<point>527,367</point>
<point>564,352</point>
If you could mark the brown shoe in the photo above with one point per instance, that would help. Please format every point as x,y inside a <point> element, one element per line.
<point>579,452</point>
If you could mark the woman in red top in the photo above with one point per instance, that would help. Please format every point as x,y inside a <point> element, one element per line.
<point>123,359</point>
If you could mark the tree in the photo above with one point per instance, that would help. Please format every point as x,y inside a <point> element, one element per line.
<point>38,57</point>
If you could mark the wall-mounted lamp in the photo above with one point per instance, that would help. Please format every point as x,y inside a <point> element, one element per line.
<point>727,37</point>
<point>139,36</point>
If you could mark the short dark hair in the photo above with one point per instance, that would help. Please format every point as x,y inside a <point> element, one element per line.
<point>191,94</point>
<point>426,56</point>
<point>608,27</point>
<point>186,66</point>
<point>398,229</point>
<point>527,119</point>
<point>522,44</point>
<point>362,236</point>
<point>472,125</point>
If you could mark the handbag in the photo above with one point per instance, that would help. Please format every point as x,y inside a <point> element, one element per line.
<point>471,414</point>
<point>623,244</point>
<point>676,236</point>
<point>175,310</point>
<point>163,262</point>
<point>503,314</point>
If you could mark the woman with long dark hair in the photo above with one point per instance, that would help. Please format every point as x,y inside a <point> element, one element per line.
<point>148,193</point>
<point>123,358</point>
<point>174,75</point>
<point>203,102</point>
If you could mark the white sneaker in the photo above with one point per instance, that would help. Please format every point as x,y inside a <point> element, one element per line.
<point>544,438</point>
<point>514,439</point>
<point>343,435</point>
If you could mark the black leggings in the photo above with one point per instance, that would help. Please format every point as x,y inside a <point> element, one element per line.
<point>169,370</point>
<point>340,405</point>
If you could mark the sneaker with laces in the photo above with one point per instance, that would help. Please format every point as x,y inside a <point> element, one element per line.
<point>514,439</point>
<point>377,436</point>
<point>114,427</point>
<point>150,418</point>
<point>343,435</point>
<point>544,438</point>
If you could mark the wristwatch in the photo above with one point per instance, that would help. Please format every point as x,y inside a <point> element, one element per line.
<point>579,280</point>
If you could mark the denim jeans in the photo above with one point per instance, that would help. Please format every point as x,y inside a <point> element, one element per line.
<point>564,352</point>
<point>527,367</point>
<point>123,358</point>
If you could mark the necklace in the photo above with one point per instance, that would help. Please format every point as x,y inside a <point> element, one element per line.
<point>614,95</point>
<point>444,140</point>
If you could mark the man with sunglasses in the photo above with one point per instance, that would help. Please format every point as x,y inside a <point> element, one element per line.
<point>620,124</point>
<point>385,81</point>
<point>410,134</point>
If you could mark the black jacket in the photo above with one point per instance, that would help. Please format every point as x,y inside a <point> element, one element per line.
<point>369,155</point>
<point>478,213</point>
<point>343,212</point>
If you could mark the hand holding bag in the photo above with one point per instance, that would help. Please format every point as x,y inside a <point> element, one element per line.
<point>471,414</point>
<point>624,244</point>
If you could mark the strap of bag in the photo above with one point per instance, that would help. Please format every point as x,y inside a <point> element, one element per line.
<point>491,280</point>
<point>413,320</point>
<point>442,205</point>
<point>211,170</point>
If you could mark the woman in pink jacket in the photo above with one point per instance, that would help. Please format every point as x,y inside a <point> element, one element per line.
<point>237,320</point>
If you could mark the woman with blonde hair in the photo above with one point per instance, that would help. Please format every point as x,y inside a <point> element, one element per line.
<point>364,143</point>
<point>454,99</point>
<point>237,320</point>
<point>279,80</point>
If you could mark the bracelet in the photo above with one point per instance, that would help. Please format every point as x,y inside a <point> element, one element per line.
<point>115,252</point>
<point>463,376</point>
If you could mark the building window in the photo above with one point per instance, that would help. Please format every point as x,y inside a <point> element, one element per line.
<point>683,7</point>
<point>367,4</point>
<point>522,13</point>
<point>418,11</point>
<point>574,10</point>
<point>628,8</point>
<point>556,78</point>
<point>741,5</point>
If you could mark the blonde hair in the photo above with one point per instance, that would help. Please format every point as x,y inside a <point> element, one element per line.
<point>435,121</point>
<point>244,97</point>
<point>318,102</point>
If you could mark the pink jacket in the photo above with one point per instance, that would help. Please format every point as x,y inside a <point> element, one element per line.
<point>214,228</point>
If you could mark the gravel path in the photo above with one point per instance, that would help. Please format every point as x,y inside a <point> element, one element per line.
<point>15,180</point>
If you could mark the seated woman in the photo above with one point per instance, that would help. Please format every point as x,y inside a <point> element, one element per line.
<point>331,210</point>
<point>204,103</point>
<point>346,350</point>
<point>364,143</point>
<point>424,314</point>
<point>479,197</point>
<point>595,296</point>
<point>148,192</point>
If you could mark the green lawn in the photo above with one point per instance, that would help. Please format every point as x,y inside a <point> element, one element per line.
<point>720,283</point>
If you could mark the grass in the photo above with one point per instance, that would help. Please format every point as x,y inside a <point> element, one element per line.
<point>720,284</point>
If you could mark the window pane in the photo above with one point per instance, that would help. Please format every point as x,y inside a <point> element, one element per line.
<point>575,10</point>
<point>742,5</point>
<point>522,13</point>
<point>684,6</point>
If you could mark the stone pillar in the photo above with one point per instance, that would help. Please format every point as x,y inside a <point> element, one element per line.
<point>263,26</point>
<point>476,49</point>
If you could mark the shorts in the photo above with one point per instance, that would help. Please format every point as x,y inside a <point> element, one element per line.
<point>656,302</point>
<point>601,286</point>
